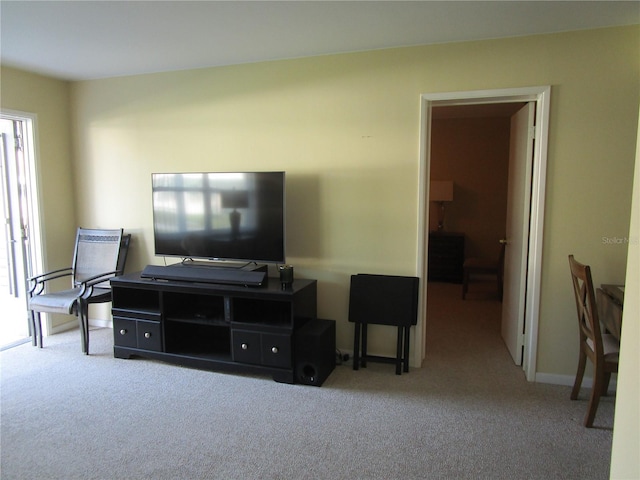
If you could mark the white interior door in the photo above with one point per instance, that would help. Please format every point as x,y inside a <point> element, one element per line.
<point>517,230</point>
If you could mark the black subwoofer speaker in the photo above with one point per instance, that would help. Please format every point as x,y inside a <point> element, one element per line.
<point>315,353</point>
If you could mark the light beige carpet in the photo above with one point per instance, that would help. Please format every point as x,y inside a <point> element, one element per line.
<point>467,414</point>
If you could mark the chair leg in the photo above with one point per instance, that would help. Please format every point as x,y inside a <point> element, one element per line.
<point>86,329</point>
<point>82,335</point>
<point>37,329</point>
<point>356,345</point>
<point>594,400</point>
<point>363,350</point>
<point>32,328</point>
<point>399,351</point>
<point>605,384</point>
<point>582,363</point>
<point>465,283</point>
<point>407,338</point>
<point>83,317</point>
<point>40,342</point>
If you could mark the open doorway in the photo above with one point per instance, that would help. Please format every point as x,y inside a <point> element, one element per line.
<point>470,152</point>
<point>470,149</point>
<point>538,98</point>
<point>20,247</point>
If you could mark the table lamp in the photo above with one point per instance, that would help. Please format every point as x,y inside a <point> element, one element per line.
<point>441,192</point>
<point>235,199</point>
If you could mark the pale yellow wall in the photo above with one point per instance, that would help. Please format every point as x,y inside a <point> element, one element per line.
<point>346,130</point>
<point>591,157</point>
<point>49,99</point>
<point>625,462</point>
<point>347,140</point>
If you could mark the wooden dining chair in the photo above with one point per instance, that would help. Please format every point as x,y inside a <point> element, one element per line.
<point>601,349</point>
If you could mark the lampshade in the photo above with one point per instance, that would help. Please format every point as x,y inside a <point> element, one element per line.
<point>441,191</point>
<point>235,199</point>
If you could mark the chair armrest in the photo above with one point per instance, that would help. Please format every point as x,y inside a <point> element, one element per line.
<point>37,282</point>
<point>86,287</point>
<point>57,273</point>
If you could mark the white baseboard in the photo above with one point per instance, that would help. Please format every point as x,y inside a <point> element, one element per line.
<point>567,380</point>
<point>555,379</point>
<point>70,325</point>
<point>98,322</point>
<point>63,327</point>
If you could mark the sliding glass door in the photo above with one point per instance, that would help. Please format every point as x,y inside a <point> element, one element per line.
<point>17,253</point>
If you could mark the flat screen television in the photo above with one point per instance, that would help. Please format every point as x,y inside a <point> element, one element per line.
<point>237,216</point>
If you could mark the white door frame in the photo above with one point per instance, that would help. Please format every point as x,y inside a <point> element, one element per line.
<point>540,95</point>
<point>29,145</point>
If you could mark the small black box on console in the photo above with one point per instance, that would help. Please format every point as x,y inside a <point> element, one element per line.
<point>315,352</point>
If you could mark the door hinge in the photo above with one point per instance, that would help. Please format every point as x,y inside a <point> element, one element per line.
<point>18,140</point>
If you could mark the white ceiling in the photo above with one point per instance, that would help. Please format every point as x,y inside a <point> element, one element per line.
<point>78,40</point>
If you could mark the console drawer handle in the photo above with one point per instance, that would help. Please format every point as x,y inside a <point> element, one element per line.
<point>274,349</point>
<point>123,332</point>
<point>147,335</point>
<point>244,346</point>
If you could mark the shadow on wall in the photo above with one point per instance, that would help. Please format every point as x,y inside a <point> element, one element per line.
<point>304,216</point>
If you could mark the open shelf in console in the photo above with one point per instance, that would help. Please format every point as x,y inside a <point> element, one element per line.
<point>197,340</point>
<point>194,308</point>
<point>136,303</point>
<point>251,311</point>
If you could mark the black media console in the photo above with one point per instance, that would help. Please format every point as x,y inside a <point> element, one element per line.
<point>223,327</point>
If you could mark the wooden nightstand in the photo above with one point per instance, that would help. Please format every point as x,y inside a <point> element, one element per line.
<point>446,256</point>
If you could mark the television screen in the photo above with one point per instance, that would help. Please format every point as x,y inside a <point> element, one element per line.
<point>220,216</point>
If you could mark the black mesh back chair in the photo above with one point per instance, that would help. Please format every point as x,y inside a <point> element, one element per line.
<point>98,256</point>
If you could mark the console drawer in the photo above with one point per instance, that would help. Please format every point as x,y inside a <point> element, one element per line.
<point>149,336</point>
<point>245,347</point>
<point>267,349</point>
<point>276,350</point>
<point>124,332</point>
<point>133,333</point>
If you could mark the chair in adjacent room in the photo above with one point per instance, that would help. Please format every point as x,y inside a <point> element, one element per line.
<point>484,266</point>
<point>98,256</point>
<point>601,349</point>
